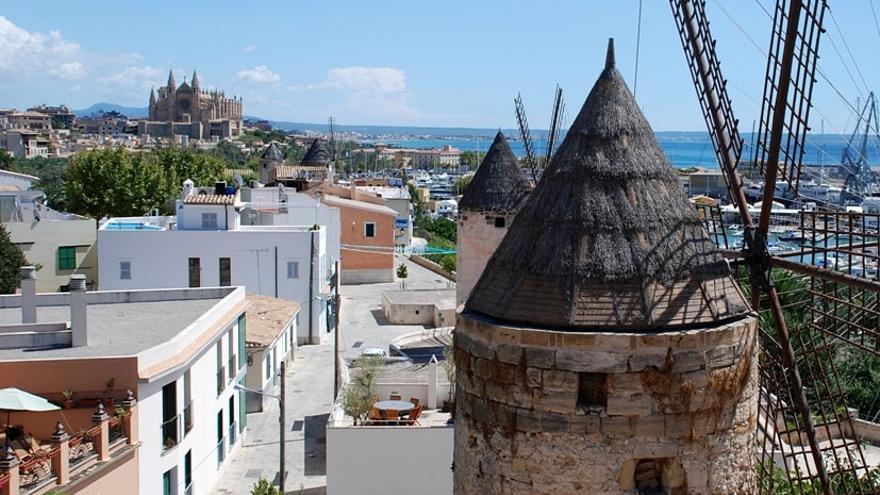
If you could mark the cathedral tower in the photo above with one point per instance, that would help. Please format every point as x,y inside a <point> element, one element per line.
<point>486,211</point>
<point>606,347</point>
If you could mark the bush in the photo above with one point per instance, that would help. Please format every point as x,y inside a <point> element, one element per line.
<point>263,487</point>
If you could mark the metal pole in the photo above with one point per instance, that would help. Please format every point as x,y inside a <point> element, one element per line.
<point>336,340</point>
<point>311,287</point>
<point>282,428</point>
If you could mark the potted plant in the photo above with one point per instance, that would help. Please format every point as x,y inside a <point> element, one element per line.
<point>67,393</point>
<point>108,387</point>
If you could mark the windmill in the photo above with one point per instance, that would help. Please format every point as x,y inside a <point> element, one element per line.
<point>532,161</point>
<point>855,159</point>
<point>803,424</point>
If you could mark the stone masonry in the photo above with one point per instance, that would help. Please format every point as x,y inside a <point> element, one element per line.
<point>542,411</point>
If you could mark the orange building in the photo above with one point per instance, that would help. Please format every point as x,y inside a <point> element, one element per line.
<point>367,240</point>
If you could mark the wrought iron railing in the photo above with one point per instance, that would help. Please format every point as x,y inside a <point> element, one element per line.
<point>221,451</point>
<point>232,433</point>
<point>233,368</point>
<point>187,418</point>
<point>170,433</point>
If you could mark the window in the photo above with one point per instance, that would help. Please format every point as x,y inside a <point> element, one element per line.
<point>500,222</point>
<point>187,473</point>
<point>209,221</point>
<point>167,485</point>
<point>169,416</point>
<point>221,444</point>
<point>66,258</point>
<point>370,229</point>
<point>221,375</point>
<point>187,402</point>
<point>232,432</point>
<point>592,392</point>
<point>195,272</point>
<point>293,269</point>
<point>125,270</point>
<point>225,272</point>
<point>242,338</point>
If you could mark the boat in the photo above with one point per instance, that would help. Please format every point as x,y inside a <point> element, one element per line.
<point>792,236</point>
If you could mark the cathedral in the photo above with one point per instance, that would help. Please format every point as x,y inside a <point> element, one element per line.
<point>189,110</point>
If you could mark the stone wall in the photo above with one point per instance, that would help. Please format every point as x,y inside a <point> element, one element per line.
<point>478,237</point>
<point>564,412</point>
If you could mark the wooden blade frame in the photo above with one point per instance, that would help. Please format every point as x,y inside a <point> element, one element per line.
<point>783,391</point>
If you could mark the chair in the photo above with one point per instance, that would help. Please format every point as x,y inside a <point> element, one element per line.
<point>391,416</point>
<point>413,416</point>
<point>376,414</point>
<point>414,401</point>
<point>394,397</point>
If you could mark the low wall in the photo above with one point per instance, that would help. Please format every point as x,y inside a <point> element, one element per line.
<point>350,276</point>
<point>867,431</point>
<point>430,265</point>
<point>389,459</point>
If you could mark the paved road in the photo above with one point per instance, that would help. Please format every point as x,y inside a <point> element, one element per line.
<point>310,393</point>
<point>361,321</point>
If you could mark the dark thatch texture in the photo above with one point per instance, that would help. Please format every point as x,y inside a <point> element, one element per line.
<point>272,153</point>
<point>317,154</point>
<point>608,241</point>
<point>499,184</point>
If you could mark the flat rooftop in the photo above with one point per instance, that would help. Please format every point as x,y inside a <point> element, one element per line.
<point>442,298</point>
<point>118,328</point>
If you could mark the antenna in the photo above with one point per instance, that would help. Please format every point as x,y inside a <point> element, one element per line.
<point>555,123</point>
<point>526,136</point>
<point>332,139</point>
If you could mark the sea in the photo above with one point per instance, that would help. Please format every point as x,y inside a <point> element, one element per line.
<point>683,148</point>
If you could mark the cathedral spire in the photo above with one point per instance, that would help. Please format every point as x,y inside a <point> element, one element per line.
<point>195,79</point>
<point>171,83</point>
<point>152,96</point>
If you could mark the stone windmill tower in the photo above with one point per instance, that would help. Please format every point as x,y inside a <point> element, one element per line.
<point>606,347</point>
<point>270,160</point>
<point>486,211</point>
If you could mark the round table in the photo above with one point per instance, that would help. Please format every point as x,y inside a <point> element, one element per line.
<point>402,406</point>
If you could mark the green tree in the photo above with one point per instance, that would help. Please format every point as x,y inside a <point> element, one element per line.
<point>471,159</point>
<point>6,160</point>
<point>357,398</point>
<point>263,487</point>
<point>230,153</point>
<point>51,172</point>
<point>462,184</point>
<point>11,259</point>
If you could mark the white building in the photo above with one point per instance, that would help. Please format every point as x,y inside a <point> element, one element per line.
<point>180,352</point>
<point>60,244</point>
<point>206,245</point>
<point>270,340</point>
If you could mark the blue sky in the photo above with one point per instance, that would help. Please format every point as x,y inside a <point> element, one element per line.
<point>448,63</point>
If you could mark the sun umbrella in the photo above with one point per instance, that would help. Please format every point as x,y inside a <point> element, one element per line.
<point>14,399</point>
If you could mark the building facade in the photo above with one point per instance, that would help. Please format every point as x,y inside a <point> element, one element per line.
<point>189,110</point>
<point>206,245</point>
<point>179,351</point>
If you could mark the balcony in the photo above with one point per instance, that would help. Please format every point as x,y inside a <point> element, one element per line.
<point>232,432</point>
<point>187,418</point>
<point>221,380</point>
<point>221,451</point>
<point>43,468</point>
<point>171,435</point>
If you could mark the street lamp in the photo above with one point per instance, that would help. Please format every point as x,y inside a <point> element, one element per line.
<point>281,422</point>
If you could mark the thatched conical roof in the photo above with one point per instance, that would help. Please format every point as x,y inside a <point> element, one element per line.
<point>608,240</point>
<point>499,184</point>
<point>272,153</point>
<point>317,154</point>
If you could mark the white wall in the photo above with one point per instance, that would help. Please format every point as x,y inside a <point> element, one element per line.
<point>39,241</point>
<point>159,259</point>
<point>378,460</point>
<point>201,440</point>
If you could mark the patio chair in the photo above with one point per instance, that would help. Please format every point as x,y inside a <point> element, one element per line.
<point>391,416</point>
<point>414,415</point>
<point>376,414</point>
<point>394,397</point>
<point>414,401</point>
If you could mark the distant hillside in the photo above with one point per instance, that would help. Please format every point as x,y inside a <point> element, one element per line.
<point>109,107</point>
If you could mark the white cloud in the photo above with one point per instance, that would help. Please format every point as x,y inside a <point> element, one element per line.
<point>250,47</point>
<point>24,54</point>
<point>366,94</point>
<point>133,83</point>
<point>258,75</point>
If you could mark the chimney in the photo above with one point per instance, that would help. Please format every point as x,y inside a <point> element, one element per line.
<point>78,326</point>
<point>188,186</point>
<point>28,294</point>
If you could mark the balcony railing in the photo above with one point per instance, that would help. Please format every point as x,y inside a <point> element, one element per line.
<point>170,433</point>
<point>188,489</point>
<point>232,367</point>
<point>232,432</point>
<point>187,418</point>
<point>221,380</point>
<point>221,451</point>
